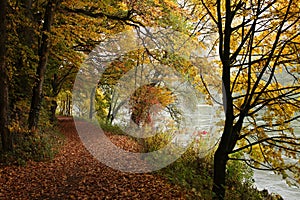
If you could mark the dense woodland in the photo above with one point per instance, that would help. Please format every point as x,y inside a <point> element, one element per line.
<point>251,56</point>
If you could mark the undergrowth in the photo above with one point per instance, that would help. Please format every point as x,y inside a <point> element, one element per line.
<point>27,146</point>
<point>195,173</point>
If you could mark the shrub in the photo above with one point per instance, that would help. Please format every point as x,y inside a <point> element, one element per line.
<point>191,172</point>
<point>39,146</point>
<point>156,141</point>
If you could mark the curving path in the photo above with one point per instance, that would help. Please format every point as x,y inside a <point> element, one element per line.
<point>75,174</point>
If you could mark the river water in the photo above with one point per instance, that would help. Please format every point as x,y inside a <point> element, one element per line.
<point>274,183</point>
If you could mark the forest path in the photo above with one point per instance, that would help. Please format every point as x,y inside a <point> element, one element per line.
<point>75,174</point>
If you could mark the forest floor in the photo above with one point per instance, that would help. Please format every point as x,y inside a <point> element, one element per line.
<point>75,174</point>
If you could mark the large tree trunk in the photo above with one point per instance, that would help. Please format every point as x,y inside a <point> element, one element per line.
<point>6,136</point>
<point>37,95</point>
<point>228,141</point>
<point>220,161</point>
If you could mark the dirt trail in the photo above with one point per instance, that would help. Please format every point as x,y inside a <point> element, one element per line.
<point>75,174</point>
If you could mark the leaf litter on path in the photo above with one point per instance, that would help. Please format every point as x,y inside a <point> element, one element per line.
<point>75,174</point>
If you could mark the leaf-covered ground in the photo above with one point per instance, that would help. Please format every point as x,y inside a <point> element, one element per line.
<point>75,174</point>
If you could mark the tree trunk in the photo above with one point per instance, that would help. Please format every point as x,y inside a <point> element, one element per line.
<point>6,136</point>
<point>37,95</point>
<point>220,161</point>
<point>69,105</point>
<point>53,110</point>
<point>92,97</point>
<point>54,105</point>
<point>63,107</point>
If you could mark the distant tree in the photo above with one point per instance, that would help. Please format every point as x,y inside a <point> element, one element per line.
<point>145,98</point>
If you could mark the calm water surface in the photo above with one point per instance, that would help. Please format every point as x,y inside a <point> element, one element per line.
<point>274,183</point>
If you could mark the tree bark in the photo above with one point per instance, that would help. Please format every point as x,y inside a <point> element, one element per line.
<point>220,161</point>
<point>37,95</point>
<point>6,136</point>
<point>53,110</point>
<point>68,105</point>
<point>54,105</point>
<point>221,158</point>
